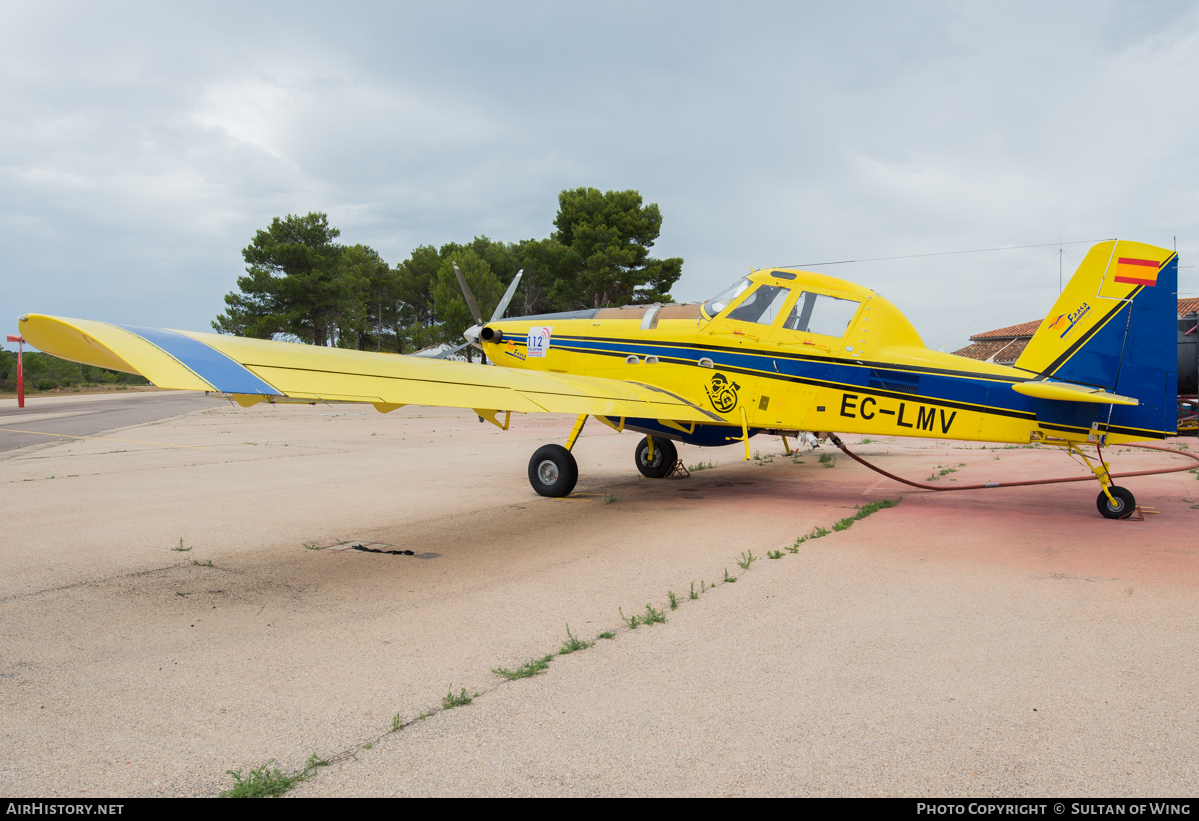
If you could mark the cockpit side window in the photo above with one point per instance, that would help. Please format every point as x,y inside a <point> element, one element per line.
<point>820,314</point>
<point>762,306</point>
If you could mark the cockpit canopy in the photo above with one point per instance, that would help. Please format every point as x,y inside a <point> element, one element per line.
<point>800,302</point>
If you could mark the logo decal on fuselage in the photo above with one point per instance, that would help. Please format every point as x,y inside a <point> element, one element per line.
<point>722,393</point>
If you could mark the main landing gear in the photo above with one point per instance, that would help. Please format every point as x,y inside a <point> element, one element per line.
<point>553,470</point>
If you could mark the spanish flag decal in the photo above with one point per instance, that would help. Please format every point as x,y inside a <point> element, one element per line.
<point>1136,271</point>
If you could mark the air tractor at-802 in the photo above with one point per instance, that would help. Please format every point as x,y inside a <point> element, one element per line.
<point>782,352</point>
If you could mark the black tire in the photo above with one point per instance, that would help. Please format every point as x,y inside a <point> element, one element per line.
<point>665,455</point>
<point>553,471</point>
<point>1125,503</point>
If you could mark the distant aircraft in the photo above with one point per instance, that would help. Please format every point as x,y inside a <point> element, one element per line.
<point>781,351</point>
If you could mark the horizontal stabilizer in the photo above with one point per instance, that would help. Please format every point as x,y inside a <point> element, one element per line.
<point>1065,392</point>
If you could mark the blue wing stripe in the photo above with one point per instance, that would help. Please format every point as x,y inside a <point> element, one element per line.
<point>214,367</point>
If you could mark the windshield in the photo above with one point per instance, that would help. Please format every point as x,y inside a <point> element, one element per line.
<point>719,302</point>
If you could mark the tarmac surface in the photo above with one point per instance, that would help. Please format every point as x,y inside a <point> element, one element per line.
<point>1002,642</point>
<point>45,418</point>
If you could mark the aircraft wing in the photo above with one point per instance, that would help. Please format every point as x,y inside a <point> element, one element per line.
<point>252,369</point>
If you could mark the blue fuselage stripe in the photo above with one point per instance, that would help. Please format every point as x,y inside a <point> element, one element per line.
<point>224,374</point>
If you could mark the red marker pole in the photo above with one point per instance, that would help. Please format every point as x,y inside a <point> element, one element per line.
<point>20,340</point>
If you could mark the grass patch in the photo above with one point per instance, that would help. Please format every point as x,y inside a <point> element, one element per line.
<point>607,634</point>
<point>632,621</point>
<point>864,511</point>
<point>268,782</point>
<point>816,533</point>
<point>774,554</point>
<point>609,498</point>
<point>865,441</point>
<point>528,669</point>
<point>747,558</point>
<point>701,466</point>
<point>828,460</point>
<point>653,616</point>
<point>462,699</point>
<point>572,644</point>
<point>943,472</point>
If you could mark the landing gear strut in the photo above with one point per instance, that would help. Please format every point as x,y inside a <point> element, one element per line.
<point>664,457</point>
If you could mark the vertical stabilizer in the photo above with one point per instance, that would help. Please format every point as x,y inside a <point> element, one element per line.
<point>1113,327</point>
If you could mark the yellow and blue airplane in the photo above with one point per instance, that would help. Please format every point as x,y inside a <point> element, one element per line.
<point>782,352</point>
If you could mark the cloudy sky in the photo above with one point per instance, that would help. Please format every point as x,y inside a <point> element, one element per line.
<point>142,145</point>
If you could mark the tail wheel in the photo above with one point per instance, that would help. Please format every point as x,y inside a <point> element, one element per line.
<point>553,471</point>
<point>1125,504</point>
<point>665,455</point>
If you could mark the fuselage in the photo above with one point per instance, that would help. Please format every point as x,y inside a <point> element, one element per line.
<point>859,368</point>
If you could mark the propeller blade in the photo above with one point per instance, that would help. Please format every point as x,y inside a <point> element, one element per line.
<point>451,351</point>
<point>470,298</point>
<point>503,306</point>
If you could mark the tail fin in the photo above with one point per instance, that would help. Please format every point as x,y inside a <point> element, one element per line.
<point>1113,328</point>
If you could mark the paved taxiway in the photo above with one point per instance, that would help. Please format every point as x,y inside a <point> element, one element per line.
<point>996,642</point>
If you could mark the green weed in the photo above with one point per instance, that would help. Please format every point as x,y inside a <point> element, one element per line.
<point>528,669</point>
<point>181,548</point>
<point>865,441</point>
<point>693,595</point>
<point>607,634</point>
<point>727,577</point>
<point>367,746</point>
<point>828,460</point>
<point>202,564</point>
<point>396,723</point>
<point>631,621</point>
<point>653,616</point>
<point>311,546</point>
<point>265,782</point>
<point>609,498</point>
<point>572,644</point>
<point>747,558</point>
<point>863,511</point>
<point>774,554</point>
<point>701,466</point>
<point>451,701</point>
<point>674,600</point>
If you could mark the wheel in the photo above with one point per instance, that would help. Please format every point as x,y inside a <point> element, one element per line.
<point>1125,503</point>
<point>553,471</point>
<point>665,455</point>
